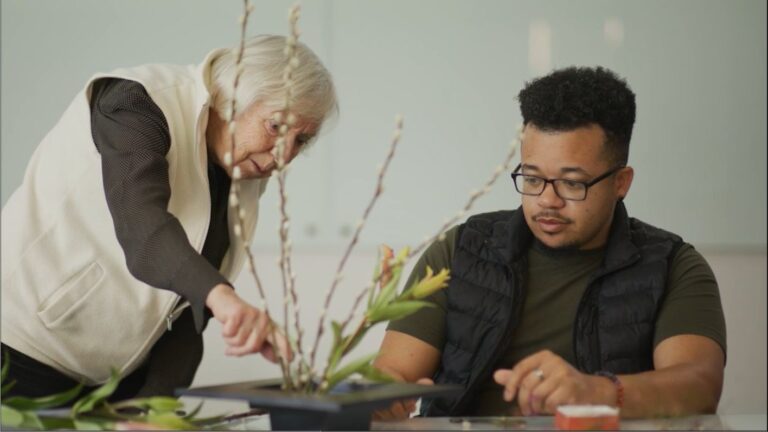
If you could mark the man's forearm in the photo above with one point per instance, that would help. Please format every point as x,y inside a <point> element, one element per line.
<point>394,374</point>
<point>673,391</point>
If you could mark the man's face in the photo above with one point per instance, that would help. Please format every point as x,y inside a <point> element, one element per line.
<point>576,155</point>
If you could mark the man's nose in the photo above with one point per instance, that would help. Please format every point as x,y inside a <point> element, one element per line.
<point>549,197</point>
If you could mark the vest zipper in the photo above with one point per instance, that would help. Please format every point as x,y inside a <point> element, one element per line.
<point>595,339</point>
<point>586,326</point>
<point>511,325</point>
<point>174,315</point>
<point>590,324</point>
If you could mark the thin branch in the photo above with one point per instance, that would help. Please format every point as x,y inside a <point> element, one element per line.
<point>473,196</point>
<point>337,278</point>
<point>286,119</point>
<point>440,235</point>
<point>234,200</point>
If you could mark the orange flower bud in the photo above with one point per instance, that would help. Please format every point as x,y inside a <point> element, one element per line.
<point>386,269</point>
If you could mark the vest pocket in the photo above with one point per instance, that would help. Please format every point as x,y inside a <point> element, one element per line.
<point>65,300</point>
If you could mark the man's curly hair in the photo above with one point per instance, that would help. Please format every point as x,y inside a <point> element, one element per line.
<point>573,97</point>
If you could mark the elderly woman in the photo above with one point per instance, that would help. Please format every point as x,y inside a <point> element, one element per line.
<point>118,246</point>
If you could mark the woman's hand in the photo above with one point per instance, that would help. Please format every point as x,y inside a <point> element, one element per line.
<point>245,329</point>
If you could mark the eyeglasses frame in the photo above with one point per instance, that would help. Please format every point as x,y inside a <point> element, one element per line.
<point>587,184</point>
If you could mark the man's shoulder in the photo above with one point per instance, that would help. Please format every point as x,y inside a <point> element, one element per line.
<point>687,258</point>
<point>647,233</point>
<point>682,255</point>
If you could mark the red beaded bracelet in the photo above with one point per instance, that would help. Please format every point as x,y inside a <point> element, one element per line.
<point>616,382</point>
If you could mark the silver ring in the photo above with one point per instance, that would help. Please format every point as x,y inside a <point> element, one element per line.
<point>539,374</point>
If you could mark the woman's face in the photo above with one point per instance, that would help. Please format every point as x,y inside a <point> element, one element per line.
<point>256,134</point>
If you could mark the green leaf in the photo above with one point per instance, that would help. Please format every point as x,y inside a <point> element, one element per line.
<point>4,373</point>
<point>6,362</point>
<point>164,404</point>
<point>7,387</point>
<point>208,421</point>
<point>389,291</point>
<point>52,401</point>
<point>159,404</point>
<point>50,423</point>
<point>337,329</point>
<point>333,359</point>
<point>93,424</point>
<point>169,420</point>
<point>398,310</point>
<point>11,417</point>
<point>338,342</point>
<point>126,410</point>
<point>353,343</point>
<point>350,369</point>
<point>191,415</point>
<point>374,374</point>
<point>90,401</point>
<point>31,421</point>
<point>407,293</point>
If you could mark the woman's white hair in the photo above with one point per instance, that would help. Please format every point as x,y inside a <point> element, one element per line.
<point>313,92</point>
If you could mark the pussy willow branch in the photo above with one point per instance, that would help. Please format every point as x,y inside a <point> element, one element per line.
<point>473,196</point>
<point>440,235</point>
<point>287,119</point>
<point>234,200</point>
<point>337,278</point>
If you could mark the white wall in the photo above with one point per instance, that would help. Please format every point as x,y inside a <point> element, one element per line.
<point>453,69</point>
<point>742,279</point>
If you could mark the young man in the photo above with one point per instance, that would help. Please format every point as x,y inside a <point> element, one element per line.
<point>566,300</point>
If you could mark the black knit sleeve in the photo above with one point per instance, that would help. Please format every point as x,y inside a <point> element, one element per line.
<point>132,135</point>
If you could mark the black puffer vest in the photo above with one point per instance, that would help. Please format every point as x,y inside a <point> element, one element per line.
<point>614,324</point>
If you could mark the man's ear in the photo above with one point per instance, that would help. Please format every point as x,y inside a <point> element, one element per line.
<point>624,181</point>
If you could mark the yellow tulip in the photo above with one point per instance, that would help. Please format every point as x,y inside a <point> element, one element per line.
<point>431,283</point>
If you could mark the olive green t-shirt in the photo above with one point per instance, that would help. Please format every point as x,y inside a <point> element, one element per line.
<point>556,282</point>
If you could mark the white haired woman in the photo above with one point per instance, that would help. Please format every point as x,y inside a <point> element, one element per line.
<point>118,246</point>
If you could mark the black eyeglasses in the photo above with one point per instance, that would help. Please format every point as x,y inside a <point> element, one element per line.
<point>571,190</point>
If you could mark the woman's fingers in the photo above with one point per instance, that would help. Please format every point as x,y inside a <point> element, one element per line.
<point>246,347</point>
<point>277,340</point>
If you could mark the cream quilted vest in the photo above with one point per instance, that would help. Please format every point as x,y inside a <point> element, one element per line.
<point>68,299</point>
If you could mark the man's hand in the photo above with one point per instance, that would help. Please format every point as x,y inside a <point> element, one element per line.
<point>400,410</point>
<point>245,329</point>
<point>543,381</point>
<point>406,359</point>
